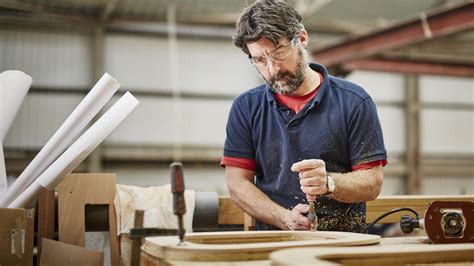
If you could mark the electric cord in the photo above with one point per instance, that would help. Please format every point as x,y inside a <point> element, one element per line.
<point>387,214</point>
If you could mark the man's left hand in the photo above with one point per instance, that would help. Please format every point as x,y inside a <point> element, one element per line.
<point>312,175</point>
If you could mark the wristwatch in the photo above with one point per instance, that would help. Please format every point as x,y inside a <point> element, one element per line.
<point>330,185</point>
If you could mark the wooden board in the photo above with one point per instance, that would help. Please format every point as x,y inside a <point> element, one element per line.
<point>244,246</point>
<point>418,203</point>
<point>229,212</point>
<point>16,236</point>
<point>74,193</point>
<point>395,254</point>
<point>46,217</point>
<point>56,253</point>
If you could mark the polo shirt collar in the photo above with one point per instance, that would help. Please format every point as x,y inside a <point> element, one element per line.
<point>316,99</point>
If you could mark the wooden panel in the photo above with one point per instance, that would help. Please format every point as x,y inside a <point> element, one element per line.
<point>46,217</point>
<point>413,154</point>
<point>418,203</point>
<point>74,192</point>
<point>229,212</point>
<point>56,253</point>
<point>16,236</point>
<point>249,222</point>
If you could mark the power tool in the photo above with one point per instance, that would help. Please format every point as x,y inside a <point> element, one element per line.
<point>444,221</point>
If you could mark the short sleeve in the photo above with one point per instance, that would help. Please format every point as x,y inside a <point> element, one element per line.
<point>239,141</point>
<point>365,134</point>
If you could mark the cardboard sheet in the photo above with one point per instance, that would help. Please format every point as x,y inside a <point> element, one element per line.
<point>67,133</point>
<point>79,150</point>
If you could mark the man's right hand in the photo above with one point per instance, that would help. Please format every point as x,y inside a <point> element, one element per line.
<point>295,218</point>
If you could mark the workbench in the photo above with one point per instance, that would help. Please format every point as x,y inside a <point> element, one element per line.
<point>384,251</point>
<point>389,251</point>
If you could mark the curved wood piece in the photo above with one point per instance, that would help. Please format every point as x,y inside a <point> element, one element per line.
<point>375,255</point>
<point>243,246</point>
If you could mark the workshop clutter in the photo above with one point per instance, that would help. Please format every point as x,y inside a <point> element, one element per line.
<point>62,153</point>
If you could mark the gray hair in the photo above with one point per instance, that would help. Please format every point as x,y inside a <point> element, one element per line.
<point>269,19</point>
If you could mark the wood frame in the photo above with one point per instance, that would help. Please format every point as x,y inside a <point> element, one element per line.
<point>400,254</point>
<point>243,246</point>
<point>74,193</point>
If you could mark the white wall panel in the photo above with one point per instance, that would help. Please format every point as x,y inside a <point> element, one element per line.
<point>381,86</point>
<point>202,122</point>
<point>448,185</point>
<point>212,66</point>
<point>52,59</point>
<point>392,185</point>
<point>447,131</point>
<point>443,89</point>
<point>152,122</point>
<point>392,120</point>
<point>39,117</point>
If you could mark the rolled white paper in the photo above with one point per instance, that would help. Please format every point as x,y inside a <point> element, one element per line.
<point>79,150</point>
<point>14,86</point>
<point>67,133</point>
<point>3,170</point>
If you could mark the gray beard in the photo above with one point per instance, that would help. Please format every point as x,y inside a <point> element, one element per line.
<point>287,82</point>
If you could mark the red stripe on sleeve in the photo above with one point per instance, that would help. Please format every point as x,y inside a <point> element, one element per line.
<point>248,164</point>
<point>368,165</point>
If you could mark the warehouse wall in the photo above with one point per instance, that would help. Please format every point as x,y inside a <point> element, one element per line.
<point>60,64</point>
<point>447,124</point>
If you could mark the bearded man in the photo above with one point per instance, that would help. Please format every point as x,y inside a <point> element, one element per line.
<point>302,136</point>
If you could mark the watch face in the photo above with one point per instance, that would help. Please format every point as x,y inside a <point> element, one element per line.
<point>331,184</point>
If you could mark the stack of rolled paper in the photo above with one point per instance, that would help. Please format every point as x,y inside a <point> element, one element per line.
<point>67,148</point>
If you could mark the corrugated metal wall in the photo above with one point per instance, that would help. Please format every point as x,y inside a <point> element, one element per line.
<point>60,63</point>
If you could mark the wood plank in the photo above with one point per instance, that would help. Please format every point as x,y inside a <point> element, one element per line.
<point>418,203</point>
<point>229,212</point>
<point>46,217</point>
<point>249,222</point>
<point>56,253</point>
<point>16,236</point>
<point>413,154</point>
<point>137,242</point>
<point>74,193</point>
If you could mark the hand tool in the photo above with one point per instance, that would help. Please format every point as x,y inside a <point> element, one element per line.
<point>179,205</point>
<point>312,215</point>
<point>179,208</point>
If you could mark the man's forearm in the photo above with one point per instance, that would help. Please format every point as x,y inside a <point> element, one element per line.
<point>257,204</point>
<point>358,186</point>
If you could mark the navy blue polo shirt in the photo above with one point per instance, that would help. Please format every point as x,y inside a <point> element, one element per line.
<point>339,126</point>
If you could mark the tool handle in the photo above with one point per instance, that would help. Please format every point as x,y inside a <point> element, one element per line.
<point>177,188</point>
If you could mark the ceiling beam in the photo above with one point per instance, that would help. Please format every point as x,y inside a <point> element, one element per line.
<point>108,10</point>
<point>47,13</point>
<point>450,20</point>
<point>414,67</point>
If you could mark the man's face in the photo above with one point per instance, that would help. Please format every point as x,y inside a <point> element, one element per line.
<point>283,75</point>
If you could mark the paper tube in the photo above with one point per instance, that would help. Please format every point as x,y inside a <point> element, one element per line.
<point>14,86</point>
<point>3,171</point>
<point>67,133</point>
<point>78,151</point>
